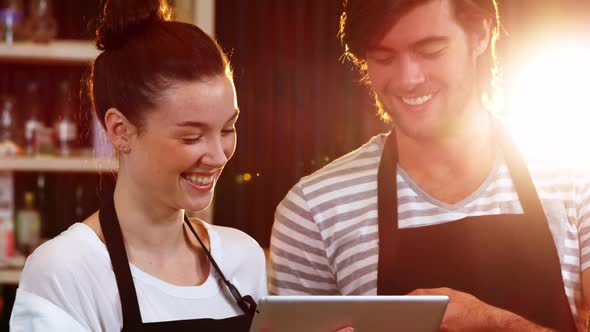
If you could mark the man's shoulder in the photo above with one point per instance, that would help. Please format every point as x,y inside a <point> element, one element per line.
<point>361,162</point>
<point>554,173</point>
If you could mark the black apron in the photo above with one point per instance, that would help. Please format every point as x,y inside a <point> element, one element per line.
<point>508,261</point>
<point>111,229</point>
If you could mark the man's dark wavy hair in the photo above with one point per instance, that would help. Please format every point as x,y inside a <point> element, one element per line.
<point>362,20</point>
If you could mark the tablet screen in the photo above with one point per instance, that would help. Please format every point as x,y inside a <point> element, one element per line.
<point>364,313</point>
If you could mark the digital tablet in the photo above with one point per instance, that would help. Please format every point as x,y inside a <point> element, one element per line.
<point>364,313</point>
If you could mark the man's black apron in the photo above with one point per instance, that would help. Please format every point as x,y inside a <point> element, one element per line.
<point>111,229</point>
<point>508,261</point>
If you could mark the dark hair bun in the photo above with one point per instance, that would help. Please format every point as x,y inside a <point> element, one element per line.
<point>121,19</point>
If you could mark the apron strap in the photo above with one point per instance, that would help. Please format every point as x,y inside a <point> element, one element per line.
<point>523,183</point>
<point>246,303</point>
<point>116,248</point>
<point>387,212</point>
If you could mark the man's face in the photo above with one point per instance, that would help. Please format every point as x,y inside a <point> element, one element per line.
<point>423,70</point>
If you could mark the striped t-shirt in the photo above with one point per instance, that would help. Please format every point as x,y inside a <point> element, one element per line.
<point>324,239</point>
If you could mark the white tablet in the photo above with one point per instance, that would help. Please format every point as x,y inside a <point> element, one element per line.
<point>364,313</point>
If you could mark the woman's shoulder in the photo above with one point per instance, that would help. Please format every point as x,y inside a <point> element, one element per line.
<point>72,272</point>
<point>230,232</point>
<point>241,258</point>
<point>233,239</point>
<point>235,248</point>
<point>64,256</point>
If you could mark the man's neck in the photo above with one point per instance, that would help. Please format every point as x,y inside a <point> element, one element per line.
<point>450,168</point>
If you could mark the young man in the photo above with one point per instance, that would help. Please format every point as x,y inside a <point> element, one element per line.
<point>444,203</point>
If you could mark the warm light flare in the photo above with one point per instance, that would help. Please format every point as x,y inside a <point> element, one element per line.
<point>548,111</point>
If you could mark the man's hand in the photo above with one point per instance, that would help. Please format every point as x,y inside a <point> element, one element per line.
<point>464,312</point>
<point>340,329</point>
<point>467,313</point>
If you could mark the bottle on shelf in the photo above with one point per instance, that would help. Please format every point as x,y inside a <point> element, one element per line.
<point>11,20</point>
<point>65,126</point>
<point>28,225</point>
<point>6,118</point>
<point>7,247</point>
<point>42,201</point>
<point>33,122</point>
<point>79,201</point>
<point>41,26</point>
<point>8,146</point>
<point>6,215</point>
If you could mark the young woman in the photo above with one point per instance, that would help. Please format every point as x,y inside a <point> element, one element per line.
<point>163,91</point>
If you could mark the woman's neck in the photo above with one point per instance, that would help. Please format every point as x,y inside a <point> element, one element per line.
<point>147,226</point>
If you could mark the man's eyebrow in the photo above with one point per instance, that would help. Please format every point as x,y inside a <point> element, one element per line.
<point>197,124</point>
<point>430,40</point>
<point>379,48</point>
<point>420,43</point>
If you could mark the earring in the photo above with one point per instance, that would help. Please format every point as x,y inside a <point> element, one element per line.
<point>124,149</point>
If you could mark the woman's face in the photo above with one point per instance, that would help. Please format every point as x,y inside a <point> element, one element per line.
<point>179,154</point>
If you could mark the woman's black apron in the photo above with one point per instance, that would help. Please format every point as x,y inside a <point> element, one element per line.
<point>508,261</point>
<point>111,229</point>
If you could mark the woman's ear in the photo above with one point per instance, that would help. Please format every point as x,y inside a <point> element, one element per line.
<point>119,129</point>
<point>481,37</point>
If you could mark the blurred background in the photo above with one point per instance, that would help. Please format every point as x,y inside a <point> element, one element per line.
<point>301,107</point>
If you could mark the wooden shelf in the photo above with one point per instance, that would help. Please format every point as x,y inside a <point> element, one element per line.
<point>9,276</point>
<point>10,269</point>
<point>54,164</point>
<point>76,52</point>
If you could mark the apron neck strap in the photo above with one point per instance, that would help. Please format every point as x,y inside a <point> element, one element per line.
<point>523,183</point>
<point>246,303</point>
<point>109,223</point>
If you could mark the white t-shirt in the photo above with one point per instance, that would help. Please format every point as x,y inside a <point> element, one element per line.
<point>68,284</point>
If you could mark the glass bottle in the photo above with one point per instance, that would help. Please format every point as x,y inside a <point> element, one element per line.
<point>28,225</point>
<point>41,198</point>
<point>7,119</point>
<point>33,123</point>
<point>41,26</point>
<point>6,214</point>
<point>65,126</point>
<point>11,20</point>
<point>79,201</point>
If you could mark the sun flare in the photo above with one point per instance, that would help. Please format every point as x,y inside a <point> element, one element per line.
<point>548,112</point>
